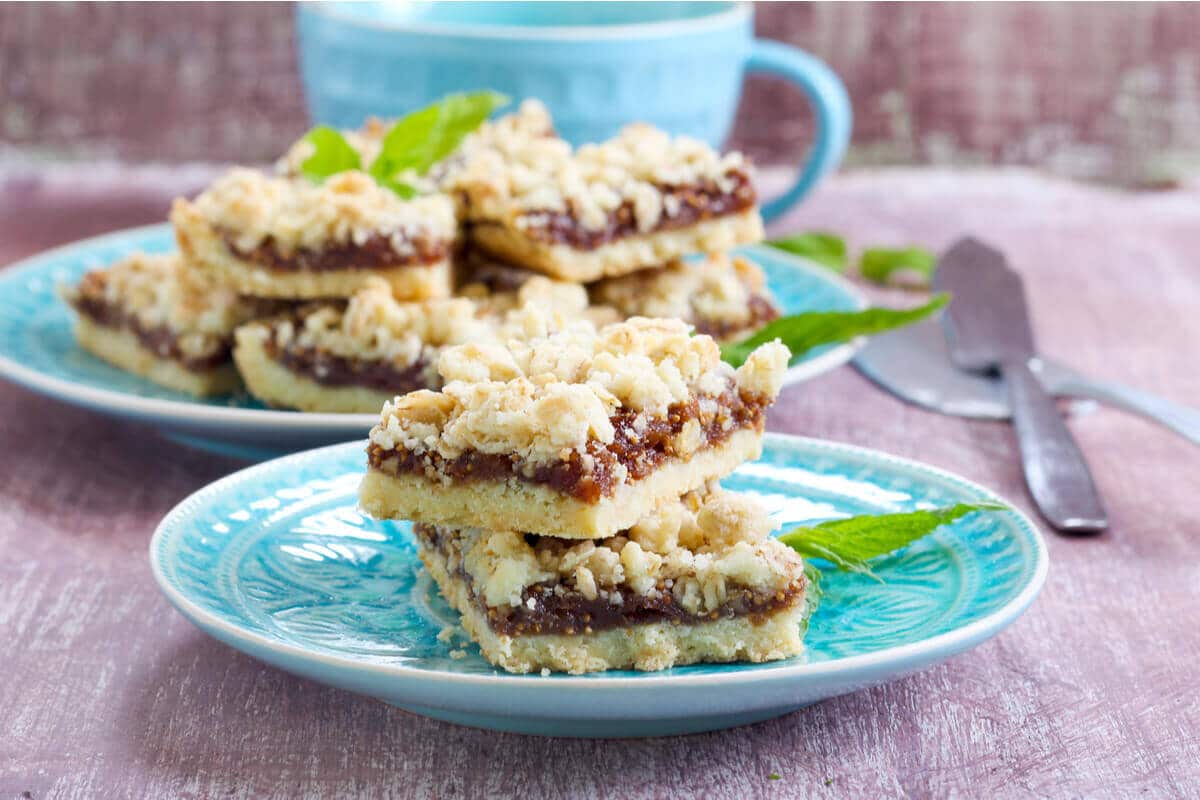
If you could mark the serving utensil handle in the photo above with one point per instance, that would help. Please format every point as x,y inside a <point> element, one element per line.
<point>1055,471</point>
<point>1179,418</point>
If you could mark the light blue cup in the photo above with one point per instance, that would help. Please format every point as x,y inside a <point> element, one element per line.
<point>596,65</point>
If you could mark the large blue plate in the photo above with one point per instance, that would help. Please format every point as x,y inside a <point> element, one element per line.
<point>276,561</point>
<point>38,350</point>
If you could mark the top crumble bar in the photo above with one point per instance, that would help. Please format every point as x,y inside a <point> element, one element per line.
<point>569,430</point>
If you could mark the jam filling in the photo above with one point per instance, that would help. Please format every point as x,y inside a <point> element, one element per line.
<point>696,203</point>
<point>374,253</point>
<point>330,369</point>
<point>640,452</point>
<point>161,340</point>
<point>571,613</point>
<point>761,311</point>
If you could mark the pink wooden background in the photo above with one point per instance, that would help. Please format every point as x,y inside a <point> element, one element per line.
<point>1099,91</point>
<point>106,691</point>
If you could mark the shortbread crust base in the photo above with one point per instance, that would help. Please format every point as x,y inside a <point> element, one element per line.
<point>536,508</point>
<point>278,386</point>
<point>647,647</point>
<point>203,248</point>
<point>621,256</point>
<point>124,350</point>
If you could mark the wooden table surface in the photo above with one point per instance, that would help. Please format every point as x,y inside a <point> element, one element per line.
<point>106,691</point>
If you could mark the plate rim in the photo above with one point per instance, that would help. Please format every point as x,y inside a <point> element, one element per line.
<point>185,412</point>
<point>930,649</point>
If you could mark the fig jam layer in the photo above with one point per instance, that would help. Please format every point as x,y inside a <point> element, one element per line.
<point>570,613</point>
<point>329,369</point>
<point>161,340</point>
<point>692,204</point>
<point>374,253</point>
<point>640,452</point>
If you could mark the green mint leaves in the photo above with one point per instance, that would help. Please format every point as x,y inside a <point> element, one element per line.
<point>881,264</point>
<point>824,248</point>
<point>802,332</point>
<point>412,145</point>
<point>331,153</point>
<point>850,543</point>
<point>423,138</point>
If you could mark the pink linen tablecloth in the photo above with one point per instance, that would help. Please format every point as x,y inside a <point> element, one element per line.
<point>106,691</point>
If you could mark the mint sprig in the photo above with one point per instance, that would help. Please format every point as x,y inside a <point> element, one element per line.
<point>331,153</point>
<point>410,147</point>
<point>849,544</point>
<point>881,264</point>
<point>824,248</point>
<point>802,332</point>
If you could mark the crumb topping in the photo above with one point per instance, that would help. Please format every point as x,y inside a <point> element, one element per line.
<point>505,137</point>
<point>374,326</point>
<point>350,208</point>
<point>159,293</point>
<point>719,294</point>
<point>499,288</point>
<point>535,176</point>
<point>554,384</point>
<point>696,549</point>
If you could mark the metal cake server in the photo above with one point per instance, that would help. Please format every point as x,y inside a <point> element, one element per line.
<point>914,364</point>
<point>987,327</point>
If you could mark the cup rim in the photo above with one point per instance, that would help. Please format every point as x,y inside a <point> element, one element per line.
<point>735,13</point>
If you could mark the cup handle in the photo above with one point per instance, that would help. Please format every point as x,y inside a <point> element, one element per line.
<point>831,110</point>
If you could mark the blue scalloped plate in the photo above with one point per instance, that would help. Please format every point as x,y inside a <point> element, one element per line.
<point>38,350</point>
<point>276,561</point>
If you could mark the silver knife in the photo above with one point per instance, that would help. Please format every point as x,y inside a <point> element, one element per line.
<point>987,327</point>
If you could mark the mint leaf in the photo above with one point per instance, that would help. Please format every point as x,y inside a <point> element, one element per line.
<point>850,543</point>
<point>404,190</point>
<point>824,248</point>
<point>423,138</point>
<point>331,154</point>
<point>802,332</point>
<point>812,594</point>
<point>879,264</point>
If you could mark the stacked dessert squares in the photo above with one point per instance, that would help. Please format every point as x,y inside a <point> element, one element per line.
<point>337,295</point>
<point>563,482</point>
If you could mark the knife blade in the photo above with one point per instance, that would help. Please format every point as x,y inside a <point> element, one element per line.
<point>987,327</point>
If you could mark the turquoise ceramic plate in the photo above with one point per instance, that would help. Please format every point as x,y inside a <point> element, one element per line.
<point>37,349</point>
<point>276,561</point>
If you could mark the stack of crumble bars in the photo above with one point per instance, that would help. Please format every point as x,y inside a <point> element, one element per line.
<point>340,295</point>
<point>556,414</point>
<point>563,486</point>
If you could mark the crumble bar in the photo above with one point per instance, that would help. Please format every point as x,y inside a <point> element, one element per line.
<point>148,315</point>
<point>722,296</point>
<point>699,580</point>
<point>354,356</point>
<point>638,200</point>
<point>288,238</point>
<point>569,430</point>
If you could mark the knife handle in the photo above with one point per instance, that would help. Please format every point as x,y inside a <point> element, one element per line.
<point>1055,471</point>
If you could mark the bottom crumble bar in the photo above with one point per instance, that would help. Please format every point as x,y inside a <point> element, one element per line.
<point>702,580</point>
